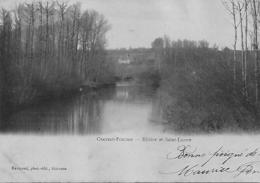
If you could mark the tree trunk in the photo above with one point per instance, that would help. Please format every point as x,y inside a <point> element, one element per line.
<point>235,46</point>
<point>246,50</point>
<point>256,72</point>
<point>242,48</point>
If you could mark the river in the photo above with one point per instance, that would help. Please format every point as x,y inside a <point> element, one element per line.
<point>127,107</point>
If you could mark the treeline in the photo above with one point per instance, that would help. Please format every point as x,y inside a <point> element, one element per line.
<point>49,47</point>
<point>197,90</point>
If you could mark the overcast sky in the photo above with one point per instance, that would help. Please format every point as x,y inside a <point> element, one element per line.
<point>136,23</point>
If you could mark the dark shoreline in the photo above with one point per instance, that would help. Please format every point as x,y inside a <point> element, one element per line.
<point>52,96</point>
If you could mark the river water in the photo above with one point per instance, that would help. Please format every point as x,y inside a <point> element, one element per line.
<point>124,108</point>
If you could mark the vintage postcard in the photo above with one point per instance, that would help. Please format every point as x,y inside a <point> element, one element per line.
<point>129,91</point>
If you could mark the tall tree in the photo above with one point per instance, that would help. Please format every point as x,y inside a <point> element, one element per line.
<point>246,2</point>
<point>5,57</point>
<point>230,6</point>
<point>62,6</point>
<point>157,46</point>
<point>255,10</point>
<point>240,8</point>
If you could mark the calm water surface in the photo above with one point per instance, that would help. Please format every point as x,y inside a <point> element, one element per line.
<point>124,108</point>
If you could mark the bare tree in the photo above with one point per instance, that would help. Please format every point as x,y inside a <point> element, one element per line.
<point>246,3</point>
<point>18,35</point>
<point>255,10</point>
<point>230,6</point>
<point>5,55</point>
<point>62,10</point>
<point>40,36</point>
<point>240,8</point>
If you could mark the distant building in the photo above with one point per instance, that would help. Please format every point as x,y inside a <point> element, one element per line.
<point>124,60</point>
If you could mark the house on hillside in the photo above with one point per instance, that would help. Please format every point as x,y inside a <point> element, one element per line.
<point>124,60</point>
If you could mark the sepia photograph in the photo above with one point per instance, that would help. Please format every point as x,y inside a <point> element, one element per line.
<point>129,90</point>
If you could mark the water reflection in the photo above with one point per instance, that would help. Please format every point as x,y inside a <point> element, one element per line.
<point>125,107</point>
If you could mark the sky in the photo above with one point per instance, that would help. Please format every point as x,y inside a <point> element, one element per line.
<point>136,23</point>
